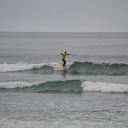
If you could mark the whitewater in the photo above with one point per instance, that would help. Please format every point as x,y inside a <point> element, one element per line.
<point>92,92</point>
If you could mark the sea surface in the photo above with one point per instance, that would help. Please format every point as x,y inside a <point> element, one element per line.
<point>91,93</point>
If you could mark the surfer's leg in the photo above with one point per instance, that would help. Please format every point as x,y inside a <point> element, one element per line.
<point>64,63</point>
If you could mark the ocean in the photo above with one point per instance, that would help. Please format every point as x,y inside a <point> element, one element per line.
<point>91,93</point>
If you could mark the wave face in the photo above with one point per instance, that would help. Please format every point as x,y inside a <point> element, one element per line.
<point>90,68</point>
<point>76,68</point>
<point>63,86</point>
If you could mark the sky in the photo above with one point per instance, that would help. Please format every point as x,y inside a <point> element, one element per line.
<point>64,15</point>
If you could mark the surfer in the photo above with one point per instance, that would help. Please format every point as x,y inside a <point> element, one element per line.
<point>63,58</point>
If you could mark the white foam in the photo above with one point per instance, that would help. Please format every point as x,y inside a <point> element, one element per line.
<point>19,66</point>
<point>104,87</point>
<point>15,84</point>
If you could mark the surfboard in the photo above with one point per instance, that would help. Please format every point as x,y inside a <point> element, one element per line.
<point>61,66</point>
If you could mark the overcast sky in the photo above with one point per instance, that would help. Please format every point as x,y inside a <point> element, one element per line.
<point>64,15</point>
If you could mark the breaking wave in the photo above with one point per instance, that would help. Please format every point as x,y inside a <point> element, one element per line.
<point>21,67</point>
<point>75,68</point>
<point>63,86</point>
<point>104,87</point>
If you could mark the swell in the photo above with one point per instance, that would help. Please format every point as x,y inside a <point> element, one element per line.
<point>75,68</point>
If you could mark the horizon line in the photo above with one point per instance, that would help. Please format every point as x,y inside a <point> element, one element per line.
<point>60,32</point>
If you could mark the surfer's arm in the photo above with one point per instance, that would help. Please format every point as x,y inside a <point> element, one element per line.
<point>61,54</point>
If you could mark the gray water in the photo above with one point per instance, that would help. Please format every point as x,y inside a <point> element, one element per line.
<point>91,93</point>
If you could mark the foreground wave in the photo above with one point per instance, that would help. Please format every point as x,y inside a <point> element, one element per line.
<point>75,68</point>
<point>63,86</point>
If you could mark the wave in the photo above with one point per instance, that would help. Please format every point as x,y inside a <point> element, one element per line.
<point>104,87</point>
<point>90,68</point>
<point>49,86</point>
<point>22,67</point>
<point>75,68</point>
<point>63,86</point>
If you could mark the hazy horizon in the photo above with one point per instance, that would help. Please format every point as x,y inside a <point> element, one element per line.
<point>56,32</point>
<point>63,16</point>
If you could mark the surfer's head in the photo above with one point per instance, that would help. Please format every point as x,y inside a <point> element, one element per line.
<point>65,52</point>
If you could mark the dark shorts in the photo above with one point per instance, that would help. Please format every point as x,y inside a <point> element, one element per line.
<point>64,62</point>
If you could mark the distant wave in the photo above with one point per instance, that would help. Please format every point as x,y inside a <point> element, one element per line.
<point>63,86</point>
<point>75,68</point>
